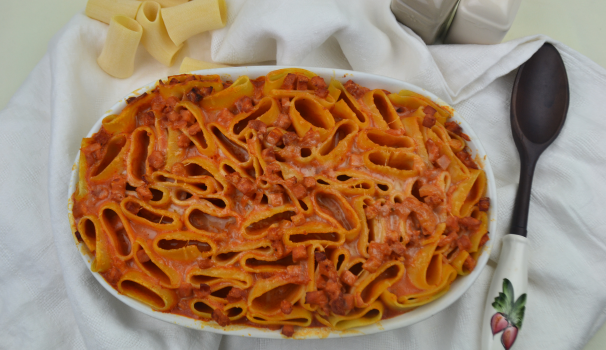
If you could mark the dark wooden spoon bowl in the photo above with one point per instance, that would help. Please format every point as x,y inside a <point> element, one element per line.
<point>539,104</point>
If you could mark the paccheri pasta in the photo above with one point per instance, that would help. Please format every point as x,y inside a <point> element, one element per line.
<point>161,26</point>
<point>104,10</point>
<point>281,201</point>
<point>118,55</point>
<point>194,17</point>
<point>155,38</point>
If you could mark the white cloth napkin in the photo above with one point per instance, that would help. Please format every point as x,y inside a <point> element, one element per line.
<point>49,299</point>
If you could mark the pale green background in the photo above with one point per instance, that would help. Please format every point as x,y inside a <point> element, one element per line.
<point>26,26</point>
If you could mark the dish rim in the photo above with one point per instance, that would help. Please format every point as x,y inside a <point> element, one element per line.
<point>459,286</point>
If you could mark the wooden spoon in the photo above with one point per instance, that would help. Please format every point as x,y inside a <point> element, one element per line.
<point>539,104</point>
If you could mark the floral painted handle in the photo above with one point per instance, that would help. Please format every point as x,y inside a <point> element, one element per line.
<point>504,313</point>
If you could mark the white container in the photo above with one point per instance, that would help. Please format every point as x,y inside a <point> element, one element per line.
<point>482,21</point>
<point>428,18</point>
<point>457,288</point>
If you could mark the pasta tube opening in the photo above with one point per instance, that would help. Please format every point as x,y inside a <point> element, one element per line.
<point>117,228</point>
<point>114,149</point>
<point>232,148</point>
<point>143,293</point>
<point>142,288</point>
<point>155,38</point>
<point>337,208</point>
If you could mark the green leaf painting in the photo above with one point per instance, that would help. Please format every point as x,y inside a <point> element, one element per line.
<point>510,314</point>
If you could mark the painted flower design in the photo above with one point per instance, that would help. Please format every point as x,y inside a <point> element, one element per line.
<point>509,316</point>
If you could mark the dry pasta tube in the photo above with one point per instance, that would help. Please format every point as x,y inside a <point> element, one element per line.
<point>194,17</point>
<point>104,10</point>
<point>170,3</point>
<point>118,56</point>
<point>155,38</point>
<point>189,65</point>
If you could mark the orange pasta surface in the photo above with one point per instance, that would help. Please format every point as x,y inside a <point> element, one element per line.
<point>282,202</point>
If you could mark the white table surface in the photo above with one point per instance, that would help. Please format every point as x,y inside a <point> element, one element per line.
<point>26,26</point>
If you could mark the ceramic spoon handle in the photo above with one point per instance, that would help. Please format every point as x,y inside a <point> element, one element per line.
<point>505,305</point>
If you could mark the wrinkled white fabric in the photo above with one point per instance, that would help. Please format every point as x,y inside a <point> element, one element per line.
<point>50,299</point>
